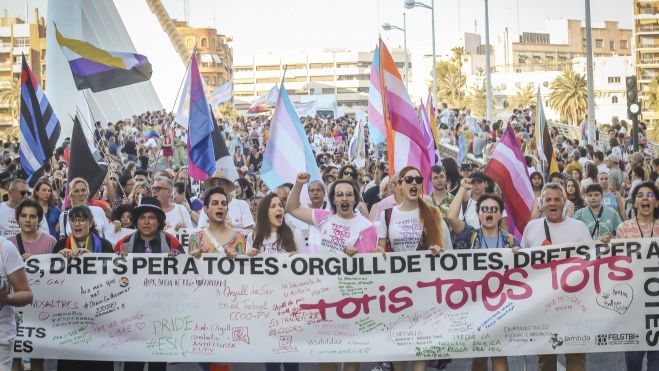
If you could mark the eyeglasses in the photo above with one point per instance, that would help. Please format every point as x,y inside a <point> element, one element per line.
<point>158,189</point>
<point>78,220</point>
<point>348,173</point>
<point>413,179</point>
<point>24,193</point>
<point>489,209</point>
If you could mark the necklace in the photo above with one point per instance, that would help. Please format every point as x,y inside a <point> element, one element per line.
<point>641,232</point>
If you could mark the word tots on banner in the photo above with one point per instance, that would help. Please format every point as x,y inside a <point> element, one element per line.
<point>329,308</point>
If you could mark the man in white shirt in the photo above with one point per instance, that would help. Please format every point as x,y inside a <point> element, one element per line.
<point>240,214</point>
<point>555,228</point>
<point>177,216</point>
<point>18,191</point>
<point>471,123</point>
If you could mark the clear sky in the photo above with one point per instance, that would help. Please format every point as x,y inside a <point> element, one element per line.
<point>261,26</point>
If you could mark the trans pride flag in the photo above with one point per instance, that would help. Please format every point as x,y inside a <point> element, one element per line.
<point>97,69</point>
<point>288,151</point>
<point>406,142</point>
<point>376,126</point>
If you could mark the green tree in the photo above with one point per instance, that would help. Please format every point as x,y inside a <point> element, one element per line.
<point>569,97</point>
<point>458,56</point>
<point>653,94</point>
<point>228,112</point>
<point>477,96</point>
<point>10,95</point>
<point>524,96</point>
<point>451,85</point>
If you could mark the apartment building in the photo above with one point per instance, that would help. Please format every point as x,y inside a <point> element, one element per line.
<point>338,72</point>
<point>646,52</point>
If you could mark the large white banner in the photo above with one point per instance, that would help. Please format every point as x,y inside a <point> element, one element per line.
<point>329,308</point>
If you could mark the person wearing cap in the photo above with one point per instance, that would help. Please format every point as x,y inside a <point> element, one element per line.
<point>468,212</point>
<point>465,170</point>
<point>610,197</point>
<point>150,236</point>
<point>636,159</point>
<point>615,174</point>
<point>239,215</point>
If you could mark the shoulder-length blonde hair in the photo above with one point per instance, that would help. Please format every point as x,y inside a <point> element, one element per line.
<point>430,217</point>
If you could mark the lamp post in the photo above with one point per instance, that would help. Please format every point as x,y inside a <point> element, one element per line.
<point>488,76</point>
<point>388,27</point>
<point>409,4</point>
<point>589,77</point>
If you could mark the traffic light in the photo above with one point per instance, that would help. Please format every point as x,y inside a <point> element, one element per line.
<point>633,108</point>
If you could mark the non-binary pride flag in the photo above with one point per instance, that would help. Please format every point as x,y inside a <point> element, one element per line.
<point>508,169</point>
<point>288,151</point>
<point>97,69</point>
<point>376,126</point>
<point>39,127</point>
<point>222,94</point>
<point>405,136</point>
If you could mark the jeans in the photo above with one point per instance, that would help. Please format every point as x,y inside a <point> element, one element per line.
<point>277,366</point>
<point>634,360</point>
<point>574,362</point>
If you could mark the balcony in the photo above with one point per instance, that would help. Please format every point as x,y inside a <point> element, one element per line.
<point>653,28</point>
<point>648,62</point>
<point>645,10</point>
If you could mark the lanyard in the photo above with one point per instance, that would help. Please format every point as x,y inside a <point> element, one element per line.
<point>547,234</point>
<point>485,242</point>
<point>641,232</point>
<point>597,221</point>
<point>147,247</point>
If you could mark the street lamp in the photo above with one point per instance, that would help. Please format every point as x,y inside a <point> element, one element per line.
<point>388,27</point>
<point>409,4</point>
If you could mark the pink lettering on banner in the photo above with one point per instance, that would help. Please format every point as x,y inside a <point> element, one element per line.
<point>581,267</point>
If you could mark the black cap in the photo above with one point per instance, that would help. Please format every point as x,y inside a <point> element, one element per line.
<point>148,204</point>
<point>479,176</point>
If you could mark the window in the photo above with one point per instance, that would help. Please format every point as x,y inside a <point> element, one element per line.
<point>612,45</point>
<point>189,42</point>
<point>328,91</point>
<point>346,65</point>
<point>273,67</point>
<point>204,42</point>
<point>267,80</point>
<point>243,69</point>
<point>321,65</point>
<point>614,79</point>
<point>322,78</point>
<point>522,59</point>
<point>623,44</point>
<point>614,99</point>
<point>296,79</point>
<point>21,42</point>
<point>583,42</point>
<point>243,81</point>
<point>599,43</point>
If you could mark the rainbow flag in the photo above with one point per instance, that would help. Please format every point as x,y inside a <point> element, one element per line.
<point>464,143</point>
<point>150,132</point>
<point>97,69</point>
<point>288,151</point>
<point>376,126</point>
<point>406,142</point>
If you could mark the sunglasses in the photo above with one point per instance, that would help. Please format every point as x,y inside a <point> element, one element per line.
<point>24,193</point>
<point>348,173</point>
<point>489,209</point>
<point>413,179</point>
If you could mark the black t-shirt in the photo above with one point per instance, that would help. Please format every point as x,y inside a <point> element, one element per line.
<point>255,162</point>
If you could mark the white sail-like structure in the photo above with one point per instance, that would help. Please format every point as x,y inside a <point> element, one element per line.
<point>120,25</point>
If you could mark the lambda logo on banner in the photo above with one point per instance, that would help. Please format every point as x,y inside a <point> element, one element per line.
<point>569,341</point>
<point>617,339</point>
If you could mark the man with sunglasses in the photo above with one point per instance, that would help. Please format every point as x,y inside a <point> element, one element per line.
<point>18,191</point>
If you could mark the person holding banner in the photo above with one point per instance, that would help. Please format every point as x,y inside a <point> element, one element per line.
<point>556,228</point>
<point>415,224</point>
<point>644,225</point>
<point>219,236</point>
<point>341,230</point>
<point>84,238</point>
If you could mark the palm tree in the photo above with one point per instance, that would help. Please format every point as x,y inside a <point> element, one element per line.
<point>458,56</point>
<point>10,95</point>
<point>452,89</point>
<point>569,97</point>
<point>523,97</point>
<point>228,112</point>
<point>478,95</point>
<point>653,94</point>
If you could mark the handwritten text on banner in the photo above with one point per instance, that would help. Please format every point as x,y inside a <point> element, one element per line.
<point>327,308</point>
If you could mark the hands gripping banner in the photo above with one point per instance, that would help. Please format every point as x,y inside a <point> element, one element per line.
<point>329,308</point>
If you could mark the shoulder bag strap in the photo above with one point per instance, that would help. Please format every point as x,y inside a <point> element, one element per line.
<point>19,242</point>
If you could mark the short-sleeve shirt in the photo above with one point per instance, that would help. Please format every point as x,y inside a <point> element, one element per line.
<point>271,246</point>
<point>177,215</point>
<point>43,245</point>
<point>472,238</point>
<point>568,231</point>
<point>608,221</point>
<point>331,233</point>
<point>630,229</point>
<point>10,262</point>
<point>405,230</point>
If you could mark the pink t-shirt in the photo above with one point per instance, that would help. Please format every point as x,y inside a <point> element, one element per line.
<point>629,229</point>
<point>43,245</point>
<point>332,233</point>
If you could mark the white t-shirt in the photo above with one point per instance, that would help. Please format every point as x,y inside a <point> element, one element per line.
<point>270,245</point>
<point>568,231</point>
<point>405,230</point>
<point>240,215</point>
<point>9,225</point>
<point>332,233</point>
<point>99,219</point>
<point>10,262</point>
<point>177,215</point>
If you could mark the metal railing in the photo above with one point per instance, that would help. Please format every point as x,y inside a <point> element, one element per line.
<point>574,132</point>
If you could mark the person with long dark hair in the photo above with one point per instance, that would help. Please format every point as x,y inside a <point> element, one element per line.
<point>644,225</point>
<point>573,190</point>
<point>453,176</point>
<point>537,183</point>
<point>271,233</point>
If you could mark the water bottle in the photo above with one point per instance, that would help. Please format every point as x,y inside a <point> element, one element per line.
<point>25,364</point>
